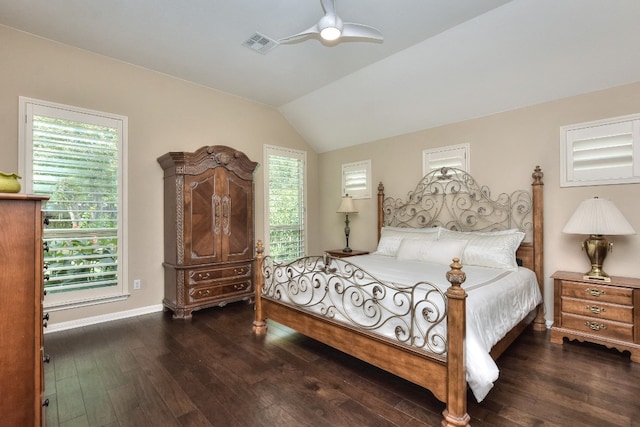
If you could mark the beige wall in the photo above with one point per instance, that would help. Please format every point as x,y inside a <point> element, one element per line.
<point>165,114</point>
<point>505,148</point>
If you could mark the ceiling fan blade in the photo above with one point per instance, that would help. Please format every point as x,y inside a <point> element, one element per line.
<point>310,31</point>
<point>359,30</point>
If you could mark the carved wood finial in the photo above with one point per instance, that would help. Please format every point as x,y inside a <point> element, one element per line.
<point>456,277</point>
<point>537,176</point>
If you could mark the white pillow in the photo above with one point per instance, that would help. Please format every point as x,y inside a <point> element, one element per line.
<point>391,237</point>
<point>488,249</point>
<point>436,251</point>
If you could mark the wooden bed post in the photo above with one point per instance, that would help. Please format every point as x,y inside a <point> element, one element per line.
<point>380,209</point>
<point>455,414</point>
<point>538,259</point>
<point>259,325</point>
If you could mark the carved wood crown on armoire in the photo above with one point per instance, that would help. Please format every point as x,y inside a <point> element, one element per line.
<point>208,228</point>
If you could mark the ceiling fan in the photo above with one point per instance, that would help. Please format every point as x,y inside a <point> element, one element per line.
<point>330,28</point>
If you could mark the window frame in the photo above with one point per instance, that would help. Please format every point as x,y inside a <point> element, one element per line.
<point>570,134</point>
<point>292,153</point>
<point>458,151</point>
<point>28,107</point>
<point>353,167</point>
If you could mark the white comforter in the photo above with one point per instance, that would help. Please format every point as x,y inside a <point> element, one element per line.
<point>497,301</point>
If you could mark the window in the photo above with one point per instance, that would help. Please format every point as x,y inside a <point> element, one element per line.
<point>356,179</point>
<point>77,158</point>
<point>285,202</point>
<point>600,152</point>
<point>453,156</point>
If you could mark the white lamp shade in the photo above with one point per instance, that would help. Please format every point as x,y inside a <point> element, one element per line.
<point>598,216</point>
<point>347,206</point>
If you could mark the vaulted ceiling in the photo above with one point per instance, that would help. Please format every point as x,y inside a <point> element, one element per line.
<point>441,61</point>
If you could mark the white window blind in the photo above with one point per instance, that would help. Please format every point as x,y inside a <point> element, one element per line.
<point>453,156</point>
<point>74,157</point>
<point>356,179</point>
<point>285,217</point>
<point>601,152</point>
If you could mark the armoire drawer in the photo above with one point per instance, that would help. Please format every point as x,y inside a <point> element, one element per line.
<point>202,293</point>
<point>212,274</point>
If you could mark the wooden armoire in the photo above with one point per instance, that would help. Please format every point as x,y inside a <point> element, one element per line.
<point>208,228</point>
<point>21,317</point>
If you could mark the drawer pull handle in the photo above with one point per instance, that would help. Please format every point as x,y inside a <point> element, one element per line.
<point>594,292</point>
<point>46,358</point>
<point>595,326</point>
<point>595,309</point>
<point>45,403</point>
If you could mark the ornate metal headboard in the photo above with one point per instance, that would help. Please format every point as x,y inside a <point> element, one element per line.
<point>451,198</point>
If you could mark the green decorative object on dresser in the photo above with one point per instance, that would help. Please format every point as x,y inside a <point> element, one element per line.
<point>9,182</point>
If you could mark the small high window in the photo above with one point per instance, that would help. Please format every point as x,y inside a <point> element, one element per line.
<point>600,152</point>
<point>356,179</point>
<point>452,156</point>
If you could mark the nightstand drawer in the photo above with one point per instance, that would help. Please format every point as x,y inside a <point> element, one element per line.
<point>598,292</point>
<point>598,309</point>
<point>598,327</point>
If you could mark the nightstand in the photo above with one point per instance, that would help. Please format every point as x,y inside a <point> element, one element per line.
<point>606,313</point>
<point>338,253</point>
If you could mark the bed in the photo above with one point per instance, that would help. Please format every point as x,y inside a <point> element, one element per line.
<point>411,308</point>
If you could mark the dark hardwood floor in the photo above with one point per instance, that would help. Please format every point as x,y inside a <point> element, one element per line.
<point>212,371</point>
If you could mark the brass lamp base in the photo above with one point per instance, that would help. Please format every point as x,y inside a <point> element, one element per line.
<point>596,247</point>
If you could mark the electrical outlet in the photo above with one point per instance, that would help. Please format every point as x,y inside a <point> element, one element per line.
<point>136,284</point>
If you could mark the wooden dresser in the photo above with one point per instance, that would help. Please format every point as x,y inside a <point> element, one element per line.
<point>21,317</point>
<point>606,313</point>
<point>208,228</point>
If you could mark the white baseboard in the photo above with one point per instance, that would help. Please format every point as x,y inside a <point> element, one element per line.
<point>62,326</point>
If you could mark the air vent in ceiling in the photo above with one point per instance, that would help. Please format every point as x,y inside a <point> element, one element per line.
<point>260,43</point>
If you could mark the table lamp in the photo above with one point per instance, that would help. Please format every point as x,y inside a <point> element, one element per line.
<point>347,207</point>
<point>597,217</point>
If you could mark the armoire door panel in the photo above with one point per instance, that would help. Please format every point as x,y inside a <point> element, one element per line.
<point>240,237</point>
<point>201,220</point>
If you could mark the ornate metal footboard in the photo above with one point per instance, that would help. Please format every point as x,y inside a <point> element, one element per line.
<point>340,291</point>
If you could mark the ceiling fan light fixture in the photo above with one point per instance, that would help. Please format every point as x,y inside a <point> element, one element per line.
<point>330,27</point>
<point>330,33</point>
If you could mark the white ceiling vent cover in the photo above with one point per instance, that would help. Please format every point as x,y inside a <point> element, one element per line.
<point>260,43</point>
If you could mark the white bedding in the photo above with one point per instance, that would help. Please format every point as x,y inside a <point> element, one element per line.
<point>497,301</point>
